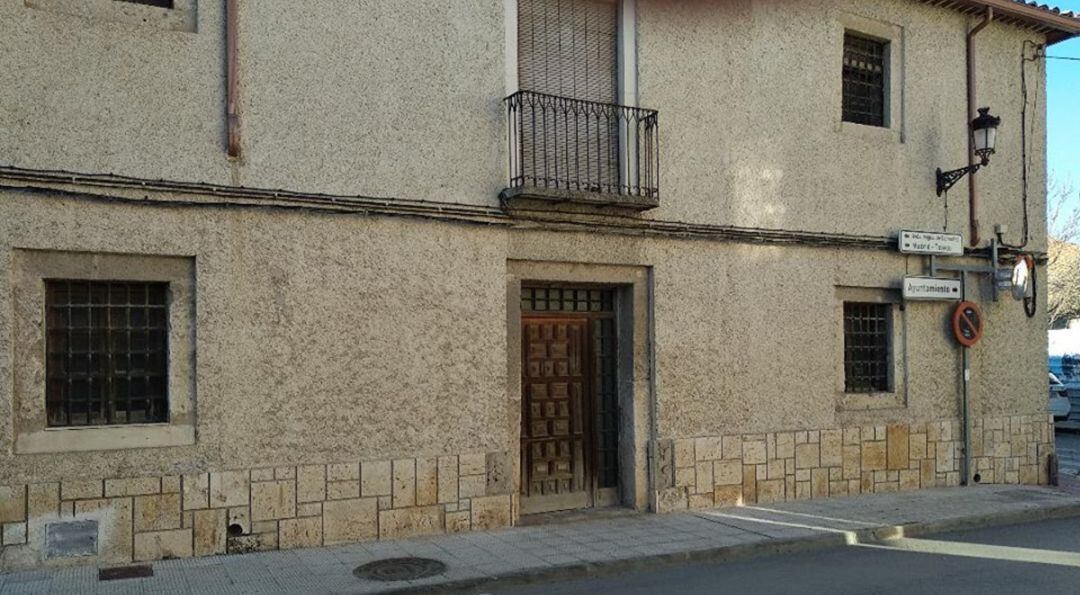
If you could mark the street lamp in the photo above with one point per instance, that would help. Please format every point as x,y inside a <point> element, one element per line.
<point>984,137</point>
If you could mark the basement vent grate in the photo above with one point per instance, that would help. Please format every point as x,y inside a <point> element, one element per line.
<point>400,569</point>
<point>122,572</point>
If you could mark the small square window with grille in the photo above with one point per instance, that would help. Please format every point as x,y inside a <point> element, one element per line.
<point>864,80</point>
<point>556,299</point>
<point>867,347</point>
<point>107,353</point>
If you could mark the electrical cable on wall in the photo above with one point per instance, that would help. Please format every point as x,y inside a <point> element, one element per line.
<point>1025,263</point>
<point>1036,54</point>
<point>945,228</point>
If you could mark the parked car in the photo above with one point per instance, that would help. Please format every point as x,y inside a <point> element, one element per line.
<point>1059,399</point>
<point>1067,369</point>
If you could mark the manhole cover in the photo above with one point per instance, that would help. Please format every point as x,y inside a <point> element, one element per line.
<point>400,569</point>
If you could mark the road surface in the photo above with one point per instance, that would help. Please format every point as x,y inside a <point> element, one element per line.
<point>1042,558</point>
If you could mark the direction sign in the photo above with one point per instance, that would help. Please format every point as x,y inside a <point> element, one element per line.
<point>930,242</point>
<point>967,323</point>
<point>932,288</point>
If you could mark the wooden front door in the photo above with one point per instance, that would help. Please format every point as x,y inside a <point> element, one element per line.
<point>570,398</point>
<point>556,440</point>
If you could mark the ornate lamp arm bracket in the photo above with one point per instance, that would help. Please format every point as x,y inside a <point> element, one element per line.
<point>947,179</point>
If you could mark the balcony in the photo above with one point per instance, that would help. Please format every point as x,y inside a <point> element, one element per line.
<point>572,152</point>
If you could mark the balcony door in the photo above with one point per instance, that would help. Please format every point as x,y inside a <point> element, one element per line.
<point>568,55</point>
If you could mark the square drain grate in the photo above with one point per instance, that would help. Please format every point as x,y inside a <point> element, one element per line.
<point>123,572</point>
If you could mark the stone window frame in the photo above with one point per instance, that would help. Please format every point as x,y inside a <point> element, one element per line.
<point>893,36</point>
<point>30,268</point>
<point>183,16</point>
<point>896,397</point>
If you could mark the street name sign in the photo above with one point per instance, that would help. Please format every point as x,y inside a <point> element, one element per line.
<point>932,288</point>
<point>930,242</point>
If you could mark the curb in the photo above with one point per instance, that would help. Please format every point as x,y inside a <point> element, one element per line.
<point>743,551</point>
<point>992,520</point>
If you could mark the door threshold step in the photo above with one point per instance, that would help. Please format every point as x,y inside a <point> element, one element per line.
<point>576,516</point>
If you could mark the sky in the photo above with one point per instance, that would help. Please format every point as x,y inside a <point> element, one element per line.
<point>1063,106</point>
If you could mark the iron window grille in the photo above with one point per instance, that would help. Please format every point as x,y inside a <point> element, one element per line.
<point>107,353</point>
<point>864,80</point>
<point>557,299</point>
<point>867,347</point>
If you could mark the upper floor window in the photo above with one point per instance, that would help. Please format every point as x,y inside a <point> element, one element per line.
<point>865,80</point>
<point>169,15</point>
<point>158,3</point>
<point>570,140</point>
<point>867,347</point>
<point>569,48</point>
<point>107,350</point>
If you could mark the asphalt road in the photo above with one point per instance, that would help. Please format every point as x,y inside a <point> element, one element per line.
<point>1038,558</point>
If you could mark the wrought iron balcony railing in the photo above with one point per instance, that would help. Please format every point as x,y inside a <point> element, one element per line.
<point>581,151</point>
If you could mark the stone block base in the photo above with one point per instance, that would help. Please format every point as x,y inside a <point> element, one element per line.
<point>738,469</point>
<point>120,520</point>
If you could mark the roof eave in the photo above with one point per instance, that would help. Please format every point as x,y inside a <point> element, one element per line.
<point>1056,27</point>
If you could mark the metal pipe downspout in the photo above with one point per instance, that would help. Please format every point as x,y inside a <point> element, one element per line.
<point>653,464</point>
<point>965,434</point>
<point>973,193</point>
<point>973,222</point>
<point>232,115</point>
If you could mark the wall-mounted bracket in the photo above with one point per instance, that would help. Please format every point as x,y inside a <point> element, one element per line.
<point>985,269</point>
<point>948,179</point>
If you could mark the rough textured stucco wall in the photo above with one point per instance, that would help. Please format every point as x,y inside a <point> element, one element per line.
<point>319,337</point>
<point>98,96</point>
<point>749,95</point>
<point>328,337</point>
<point>397,99</point>
<point>403,99</point>
<point>748,337</point>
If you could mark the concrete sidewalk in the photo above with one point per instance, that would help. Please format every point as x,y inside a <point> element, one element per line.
<point>488,561</point>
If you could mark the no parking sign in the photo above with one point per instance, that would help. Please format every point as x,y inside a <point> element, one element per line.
<point>967,323</point>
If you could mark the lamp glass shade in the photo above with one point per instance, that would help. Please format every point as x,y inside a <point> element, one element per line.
<point>984,133</point>
<point>985,140</point>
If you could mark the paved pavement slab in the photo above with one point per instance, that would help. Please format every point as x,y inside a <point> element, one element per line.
<point>583,547</point>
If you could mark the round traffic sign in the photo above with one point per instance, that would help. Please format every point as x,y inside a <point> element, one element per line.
<point>967,323</point>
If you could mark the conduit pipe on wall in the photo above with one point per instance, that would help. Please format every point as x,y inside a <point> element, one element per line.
<point>973,193</point>
<point>654,424</point>
<point>232,114</point>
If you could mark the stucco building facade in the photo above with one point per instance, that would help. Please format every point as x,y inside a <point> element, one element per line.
<point>279,276</point>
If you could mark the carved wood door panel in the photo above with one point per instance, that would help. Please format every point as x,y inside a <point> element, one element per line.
<point>556,434</point>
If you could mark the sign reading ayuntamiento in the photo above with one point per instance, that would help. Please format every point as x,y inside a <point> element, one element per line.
<point>932,288</point>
